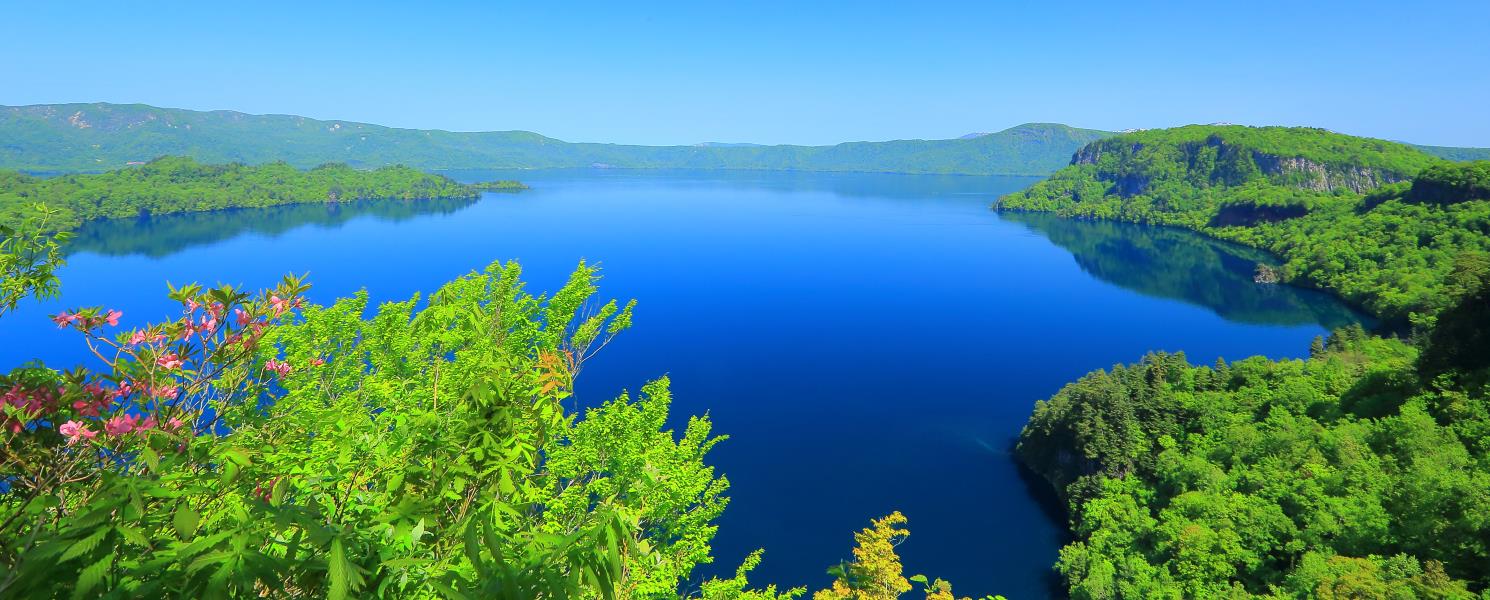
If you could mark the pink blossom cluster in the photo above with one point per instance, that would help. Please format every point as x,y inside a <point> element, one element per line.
<point>278,366</point>
<point>87,320</point>
<point>32,402</point>
<point>96,400</point>
<point>225,333</point>
<point>119,425</point>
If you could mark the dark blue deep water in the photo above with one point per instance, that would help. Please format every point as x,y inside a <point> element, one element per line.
<point>868,342</point>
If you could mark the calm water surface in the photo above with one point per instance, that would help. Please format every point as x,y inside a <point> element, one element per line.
<point>868,342</point>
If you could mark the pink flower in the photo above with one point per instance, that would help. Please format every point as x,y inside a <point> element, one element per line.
<point>278,366</point>
<point>169,361</point>
<point>174,424</point>
<point>215,310</point>
<point>121,424</point>
<point>138,338</point>
<point>241,317</point>
<point>63,319</point>
<point>316,362</point>
<point>169,393</point>
<point>191,305</point>
<point>209,324</point>
<point>76,430</point>
<point>112,317</point>
<point>278,304</point>
<point>147,424</point>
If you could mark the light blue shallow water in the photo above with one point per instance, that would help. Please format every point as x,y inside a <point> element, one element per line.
<point>869,342</point>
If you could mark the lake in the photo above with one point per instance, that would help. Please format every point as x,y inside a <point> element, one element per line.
<point>868,342</point>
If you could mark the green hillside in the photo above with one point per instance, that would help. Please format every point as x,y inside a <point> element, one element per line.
<point>1456,154</point>
<point>1343,213</point>
<point>97,137</point>
<point>1360,472</point>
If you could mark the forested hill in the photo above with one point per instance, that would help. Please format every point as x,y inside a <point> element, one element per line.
<point>100,137</point>
<point>1360,472</point>
<point>1378,222</point>
<point>176,184</point>
<point>1459,154</point>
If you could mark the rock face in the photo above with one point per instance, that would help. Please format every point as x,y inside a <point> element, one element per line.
<point>1310,175</point>
<point>1222,163</point>
<point>1266,275</point>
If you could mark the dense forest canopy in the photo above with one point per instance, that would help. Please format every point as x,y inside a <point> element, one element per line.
<point>1377,222</point>
<point>179,184</point>
<point>1361,472</point>
<point>92,137</point>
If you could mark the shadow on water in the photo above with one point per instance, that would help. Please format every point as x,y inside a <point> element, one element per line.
<point>1054,509</point>
<point>1165,262</point>
<point>164,235</point>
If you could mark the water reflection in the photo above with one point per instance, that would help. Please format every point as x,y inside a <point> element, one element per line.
<point>165,235</point>
<point>1183,265</point>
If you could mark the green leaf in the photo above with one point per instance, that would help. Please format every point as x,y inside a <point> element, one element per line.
<point>84,545</point>
<point>345,576</point>
<point>238,455</point>
<point>133,535</point>
<point>230,472</point>
<point>93,575</point>
<point>336,571</point>
<point>186,521</point>
<point>151,459</point>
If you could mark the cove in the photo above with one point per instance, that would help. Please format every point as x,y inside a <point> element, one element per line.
<point>868,342</point>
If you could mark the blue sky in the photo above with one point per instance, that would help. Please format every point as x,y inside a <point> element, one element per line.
<point>788,72</point>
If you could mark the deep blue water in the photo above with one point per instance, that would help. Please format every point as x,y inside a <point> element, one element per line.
<point>868,342</point>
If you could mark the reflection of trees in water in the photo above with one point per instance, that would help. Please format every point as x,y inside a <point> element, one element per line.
<point>168,234</point>
<point>1184,265</point>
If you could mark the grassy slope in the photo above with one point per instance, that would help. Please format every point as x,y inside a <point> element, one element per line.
<point>94,137</point>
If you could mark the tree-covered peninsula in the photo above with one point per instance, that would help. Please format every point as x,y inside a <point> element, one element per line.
<point>178,184</point>
<point>1377,222</point>
<point>1360,472</point>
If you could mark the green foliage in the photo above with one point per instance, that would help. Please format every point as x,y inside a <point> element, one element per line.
<point>30,254</point>
<point>261,447</point>
<point>1336,209</point>
<point>875,573</point>
<point>1452,183</point>
<point>1347,475</point>
<point>175,184</point>
<point>92,137</point>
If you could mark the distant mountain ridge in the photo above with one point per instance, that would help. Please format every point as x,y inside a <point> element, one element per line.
<point>1455,154</point>
<point>103,136</point>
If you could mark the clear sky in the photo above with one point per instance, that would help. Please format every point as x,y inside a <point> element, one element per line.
<point>788,72</point>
